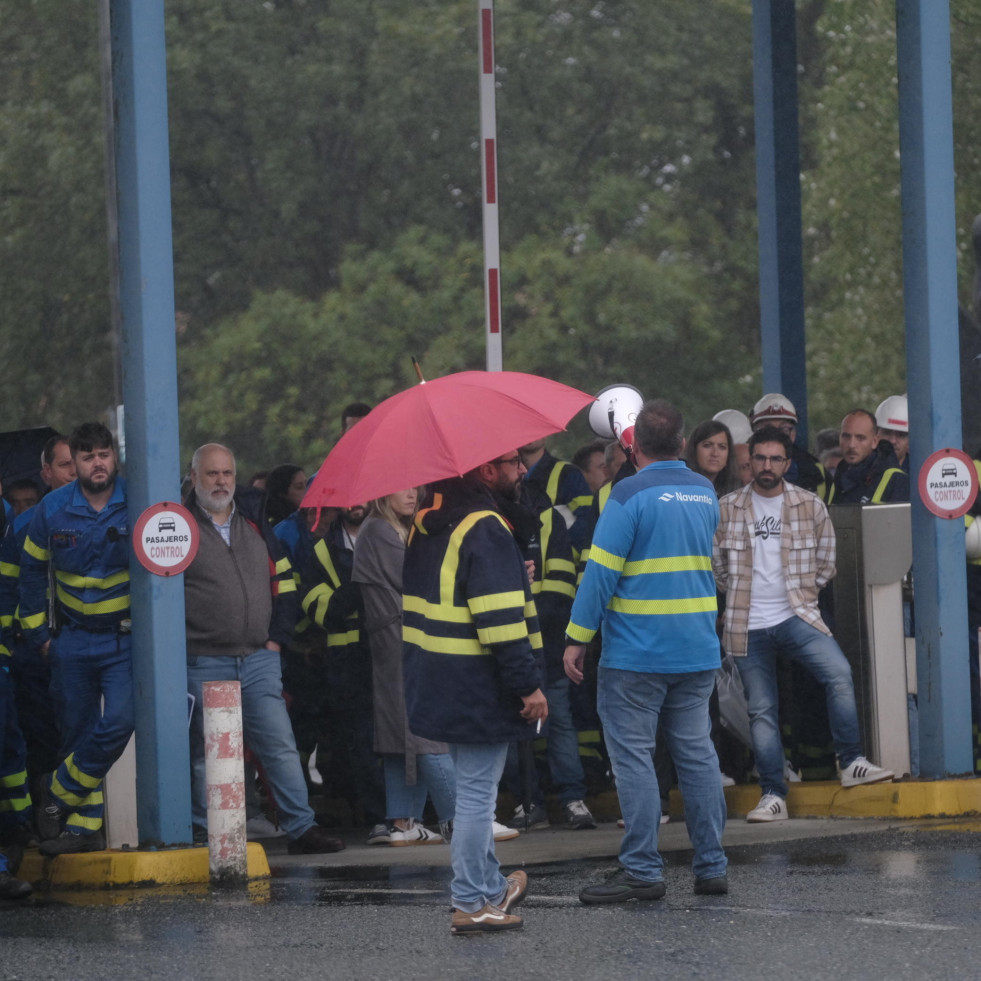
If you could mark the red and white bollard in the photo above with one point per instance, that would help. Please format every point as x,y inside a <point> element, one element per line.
<point>225,779</point>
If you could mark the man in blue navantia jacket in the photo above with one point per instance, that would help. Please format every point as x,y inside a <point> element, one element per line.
<point>77,549</point>
<point>649,584</point>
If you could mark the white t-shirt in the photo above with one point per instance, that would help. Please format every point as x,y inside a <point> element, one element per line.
<point>769,604</point>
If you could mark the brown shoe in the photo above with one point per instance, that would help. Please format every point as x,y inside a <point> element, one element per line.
<point>517,887</point>
<point>313,841</point>
<point>485,920</point>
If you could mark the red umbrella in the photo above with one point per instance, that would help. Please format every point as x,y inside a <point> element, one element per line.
<point>441,428</point>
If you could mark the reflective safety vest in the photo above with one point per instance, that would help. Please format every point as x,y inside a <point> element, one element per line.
<point>322,580</point>
<point>880,489</point>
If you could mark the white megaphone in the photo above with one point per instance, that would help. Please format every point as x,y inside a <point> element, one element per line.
<point>613,414</point>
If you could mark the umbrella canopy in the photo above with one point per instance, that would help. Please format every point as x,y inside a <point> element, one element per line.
<point>438,429</point>
<point>20,453</point>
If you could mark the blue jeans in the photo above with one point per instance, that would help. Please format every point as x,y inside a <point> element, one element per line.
<point>266,728</point>
<point>630,704</point>
<point>434,776</point>
<point>821,656</point>
<point>94,674</point>
<point>477,878</point>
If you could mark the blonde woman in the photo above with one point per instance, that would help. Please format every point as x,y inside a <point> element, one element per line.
<point>413,767</point>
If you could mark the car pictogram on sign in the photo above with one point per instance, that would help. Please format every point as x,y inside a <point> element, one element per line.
<point>166,524</point>
<point>948,470</point>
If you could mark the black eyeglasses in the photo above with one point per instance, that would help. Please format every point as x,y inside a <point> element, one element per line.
<point>774,461</point>
<point>513,461</point>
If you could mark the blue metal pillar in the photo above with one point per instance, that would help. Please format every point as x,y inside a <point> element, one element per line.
<point>930,290</point>
<point>778,203</point>
<point>146,274</point>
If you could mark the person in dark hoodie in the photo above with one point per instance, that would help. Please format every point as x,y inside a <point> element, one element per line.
<point>473,669</point>
<point>240,608</point>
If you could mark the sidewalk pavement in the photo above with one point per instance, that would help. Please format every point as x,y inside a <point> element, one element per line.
<point>818,809</point>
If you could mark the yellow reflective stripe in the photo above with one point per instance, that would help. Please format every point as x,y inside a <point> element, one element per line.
<point>552,487</point>
<point>436,611</point>
<point>74,800</point>
<point>581,635</point>
<point>580,502</point>
<point>561,565</point>
<point>674,563</point>
<point>9,570</point>
<point>92,582</point>
<point>66,599</point>
<point>492,602</point>
<point>15,804</point>
<point>884,483</point>
<point>7,620</point>
<point>34,621</point>
<point>451,560</point>
<point>502,634</point>
<point>320,591</point>
<point>562,588</point>
<point>80,776</point>
<point>341,640</point>
<point>282,565</point>
<point>36,551</point>
<point>604,495</point>
<point>14,779</point>
<point>323,555</point>
<point>286,586</point>
<point>608,559</point>
<point>696,604</point>
<point>442,645</point>
<point>76,820</point>
<point>536,641</point>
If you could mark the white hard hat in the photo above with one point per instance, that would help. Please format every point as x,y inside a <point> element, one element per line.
<point>775,407</point>
<point>893,413</point>
<point>737,423</point>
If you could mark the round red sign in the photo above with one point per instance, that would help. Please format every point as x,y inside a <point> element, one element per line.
<point>948,483</point>
<point>165,538</point>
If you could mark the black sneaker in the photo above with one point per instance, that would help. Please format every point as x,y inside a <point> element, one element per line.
<point>314,841</point>
<point>48,815</point>
<point>717,885</point>
<point>537,817</point>
<point>13,888</point>
<point>71,843</point>
<point>620,887</point>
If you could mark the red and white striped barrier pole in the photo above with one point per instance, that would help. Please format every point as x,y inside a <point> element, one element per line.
<point>225,778</point>
<point>488,166</point>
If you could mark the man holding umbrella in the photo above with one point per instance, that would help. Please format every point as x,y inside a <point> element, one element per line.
<point>473,669</point>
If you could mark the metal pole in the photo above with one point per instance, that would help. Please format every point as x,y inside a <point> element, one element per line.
<point>146,276</point>
<point>778,203</point>
<point>926,136</point>
<point>488,167</point>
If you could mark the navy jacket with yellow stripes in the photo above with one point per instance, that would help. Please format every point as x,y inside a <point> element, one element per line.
<point>89,550</point>
<point>471,637</point>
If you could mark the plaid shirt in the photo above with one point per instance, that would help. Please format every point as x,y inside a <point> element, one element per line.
<point>807,550</point>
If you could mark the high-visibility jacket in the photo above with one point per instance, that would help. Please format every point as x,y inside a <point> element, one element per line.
<point>89,555</point>
<point>328,597</point>
<point>552,482</point>
<point>877,479</point>
<point>470,628</point>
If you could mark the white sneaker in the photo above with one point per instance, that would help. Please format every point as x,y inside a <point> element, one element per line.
<point>727,781</point>
<point>503,833</point>
<point>262,827</point>
<point>772,807</point>
<point>414,834</point>
<point>789,773</point>
<point>860,771</point>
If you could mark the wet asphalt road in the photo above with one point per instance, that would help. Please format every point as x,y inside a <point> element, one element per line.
<point>901,902</point>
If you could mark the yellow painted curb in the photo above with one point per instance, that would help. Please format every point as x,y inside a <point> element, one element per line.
<point>828,799</point>
<point>100,870</point>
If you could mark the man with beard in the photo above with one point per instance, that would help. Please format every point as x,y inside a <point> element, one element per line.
<point>473,668</point>
<point>240,610</point>
<point>78,539</point>
<point>774,551</point>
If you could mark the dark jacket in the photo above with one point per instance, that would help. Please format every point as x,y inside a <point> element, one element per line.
<point>239,596</point>
<point>878,479</point>
<point>472,642</point>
